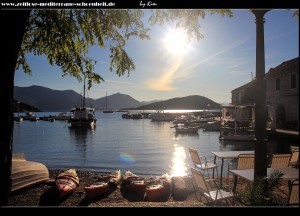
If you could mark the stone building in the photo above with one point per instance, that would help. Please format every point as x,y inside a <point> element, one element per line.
<point>282,95</point>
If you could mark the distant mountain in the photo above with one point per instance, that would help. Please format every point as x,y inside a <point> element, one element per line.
<point>150,102</point>
<point>194,102</point>
<point>47,99</point>
<point>116,101</point>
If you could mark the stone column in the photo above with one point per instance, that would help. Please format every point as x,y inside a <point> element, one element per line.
<point>260,167</point>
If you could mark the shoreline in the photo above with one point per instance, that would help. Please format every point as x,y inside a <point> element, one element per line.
<point>42,195</point>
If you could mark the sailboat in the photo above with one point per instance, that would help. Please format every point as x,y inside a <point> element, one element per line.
<point>106,110</point>
<point>19,118</point>
<point>82,116</point>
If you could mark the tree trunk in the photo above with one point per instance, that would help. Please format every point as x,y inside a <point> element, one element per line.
<point>13,28</point>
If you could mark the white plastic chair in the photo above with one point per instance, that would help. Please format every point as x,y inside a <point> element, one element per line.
<point>200,186</point>
<point>204,165</point>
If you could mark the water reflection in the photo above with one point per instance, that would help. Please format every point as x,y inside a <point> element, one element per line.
<point>229,145</point>
<point>186,134</point>
<point>179,166</point>
<point>80,133</point>
<point>273,146</point>
<point>81,137</point>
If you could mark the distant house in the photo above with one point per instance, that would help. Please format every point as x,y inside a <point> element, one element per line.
<point>242,100</point>
<point>283,94</point>
<point>243,95</point>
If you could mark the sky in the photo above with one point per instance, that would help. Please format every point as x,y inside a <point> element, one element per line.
<point>166,68</point>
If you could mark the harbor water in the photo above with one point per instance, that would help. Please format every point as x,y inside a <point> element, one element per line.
<point>143,146</point>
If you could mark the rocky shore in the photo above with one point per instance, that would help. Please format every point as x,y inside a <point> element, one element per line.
<point>44,195</point>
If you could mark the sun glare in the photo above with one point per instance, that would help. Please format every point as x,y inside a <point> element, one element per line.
<point>178,167</point>
<point>176,41</point>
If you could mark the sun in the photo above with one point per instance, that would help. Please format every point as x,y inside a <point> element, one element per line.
<point>176,41</point>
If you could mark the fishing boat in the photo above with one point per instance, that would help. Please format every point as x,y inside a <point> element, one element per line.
<point>66,182</point>
<point>18,118</point>
<point>160,115</point>
<point>82,116</point>
<point>185,130</point>
<point>104,185</point>
<point>105,110</point>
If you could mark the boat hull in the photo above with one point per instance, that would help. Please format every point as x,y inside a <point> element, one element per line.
<point>97,189</point>
<point>188,130</point>
<point>104,186</point>
<point>155,192</point>
<point>82,124</point>
<point>137,186</point>
<point>66,183</point>
<point>27,173</point>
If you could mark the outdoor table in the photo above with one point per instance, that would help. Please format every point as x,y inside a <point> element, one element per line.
<point>227,155</point>
<point>248,174</point>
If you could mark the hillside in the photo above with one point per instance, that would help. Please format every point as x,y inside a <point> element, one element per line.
<point>47,99</point>
<point>194,102</point>
<point>23,107</point>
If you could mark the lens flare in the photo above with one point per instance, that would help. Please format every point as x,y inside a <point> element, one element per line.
<point>126,158</point>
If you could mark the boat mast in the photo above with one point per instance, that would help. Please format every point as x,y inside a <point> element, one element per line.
<point>83,99</point>
<point>18,109</point>
<point>106,101</point>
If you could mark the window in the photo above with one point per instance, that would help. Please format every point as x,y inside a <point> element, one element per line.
<point>293,81</point>
<point>277,84</point>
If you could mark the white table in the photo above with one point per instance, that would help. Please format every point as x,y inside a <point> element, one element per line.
<point>248,174</point>
<point>227,155</point>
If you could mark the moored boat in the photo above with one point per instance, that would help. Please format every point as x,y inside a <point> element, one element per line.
<point>103,185</point>
<point>63,116</point>
<point>160,115</point>
<point>82,116</point>
<point>66,182</point>
<point>187,130</point>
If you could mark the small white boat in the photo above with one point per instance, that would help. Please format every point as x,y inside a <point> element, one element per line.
<point>30,116</point>
<point>63,116</point>
<point>160,115</point>
<point>187,130</point>
<point>82,116</point>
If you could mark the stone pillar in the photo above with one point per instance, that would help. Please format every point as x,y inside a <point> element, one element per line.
<point>260,167</point>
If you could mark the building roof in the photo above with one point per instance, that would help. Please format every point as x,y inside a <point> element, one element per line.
<point>285,67</point>
<point>247,85</point>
